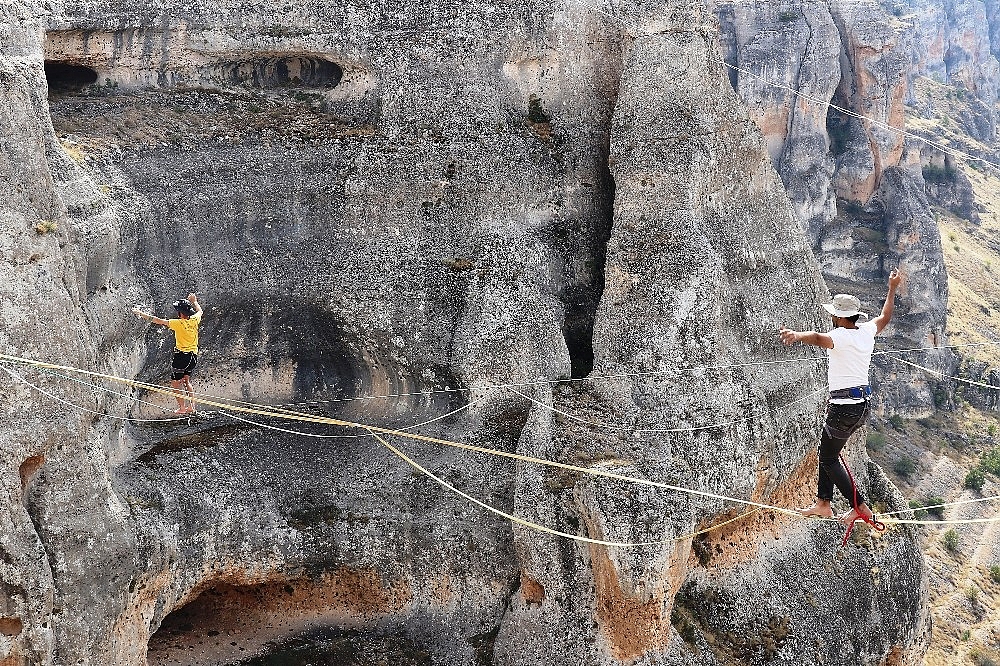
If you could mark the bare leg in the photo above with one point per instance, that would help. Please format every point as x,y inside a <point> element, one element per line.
<point>820,509</point>
<point>189,392</point>
<point>178,394</point>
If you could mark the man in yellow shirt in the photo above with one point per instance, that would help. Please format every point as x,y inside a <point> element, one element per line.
<point>185,358</point>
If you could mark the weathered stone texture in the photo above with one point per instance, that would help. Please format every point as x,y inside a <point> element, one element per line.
<point>955,42</point>
<point>473,195</point>
<point>857,195</point>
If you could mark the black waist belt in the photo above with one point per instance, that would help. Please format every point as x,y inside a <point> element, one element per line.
<point>855,392</point>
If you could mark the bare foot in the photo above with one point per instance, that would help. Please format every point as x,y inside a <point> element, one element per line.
<point>816,511</point>
<point>860,512</point>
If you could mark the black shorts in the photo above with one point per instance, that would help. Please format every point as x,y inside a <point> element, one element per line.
<point>183,364</point>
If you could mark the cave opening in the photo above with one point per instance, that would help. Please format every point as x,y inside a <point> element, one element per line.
<point>283,72</point>
<point>67,77</point>
<point>290,621</point>
<point>223,623</point>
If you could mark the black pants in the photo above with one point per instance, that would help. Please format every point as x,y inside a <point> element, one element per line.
<point>841,422</point>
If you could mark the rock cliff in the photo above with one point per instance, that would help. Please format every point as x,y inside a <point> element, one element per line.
<point>381,200</point>
<point>832,112</point>
<point>956,43</point>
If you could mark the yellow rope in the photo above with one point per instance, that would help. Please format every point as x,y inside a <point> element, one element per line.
<point>298,416</point>
<point>308,418</point>
<point>513,518</point>
<point>548,530</point>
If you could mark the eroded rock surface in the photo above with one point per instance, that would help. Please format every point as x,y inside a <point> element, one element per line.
<point>956,43</point>
<point>399,200</point>
<point>832,114</point>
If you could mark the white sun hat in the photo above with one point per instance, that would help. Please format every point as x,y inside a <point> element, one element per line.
<point>844,305</point>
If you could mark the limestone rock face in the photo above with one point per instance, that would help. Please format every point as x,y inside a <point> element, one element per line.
<point>957,43</point>
<point>452,207</point>
<point>855,181</point>
<point>775,53</point>
<point>946,185</point>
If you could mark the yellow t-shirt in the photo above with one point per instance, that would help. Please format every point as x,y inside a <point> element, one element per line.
<point>186,332</point>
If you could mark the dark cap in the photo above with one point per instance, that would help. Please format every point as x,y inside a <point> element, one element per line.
<point>184,307</point>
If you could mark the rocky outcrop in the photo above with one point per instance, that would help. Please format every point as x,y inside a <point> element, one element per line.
<point>404,202</point>
<point>804,43</point>
<point>855,183</point>
<point>946,185</point>
<point>67,549</point>
<point>955,42</point>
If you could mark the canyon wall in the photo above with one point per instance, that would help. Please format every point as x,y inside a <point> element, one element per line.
<point>827,83</point>
<point>433,202</point>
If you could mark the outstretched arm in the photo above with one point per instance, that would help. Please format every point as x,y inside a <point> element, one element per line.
<point>895,278</point>
<point>790,337</point>
<point>193,300</point>
<point>145,315</point>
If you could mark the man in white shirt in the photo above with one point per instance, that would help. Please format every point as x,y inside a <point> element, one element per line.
<point>849,347</point>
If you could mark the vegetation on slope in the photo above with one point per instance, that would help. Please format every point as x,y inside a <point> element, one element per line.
<point>955,455</point>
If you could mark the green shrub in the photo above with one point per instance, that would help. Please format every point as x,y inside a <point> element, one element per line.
<point>975,479</point>
<point>905,466</point>
<point>995,573</point>
<point>875,440</point>
<point>950,541</point>
<point>788,15</point>
<point>896,421</point>
<point>972,594</point>
<point>992,430</point>
<point>934,507</point>
<point>928,506</point>
<point>990,462</point>
<point>918,511</point>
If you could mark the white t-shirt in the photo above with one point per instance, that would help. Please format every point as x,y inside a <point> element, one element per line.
<point>850,358</point>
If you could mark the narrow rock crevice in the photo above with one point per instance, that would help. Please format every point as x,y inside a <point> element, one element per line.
<point>840,128</point>
<point>580,302</point>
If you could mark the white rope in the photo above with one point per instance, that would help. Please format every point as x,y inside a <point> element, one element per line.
<point>112,392</point>
<point>308,434</point>
<point>954,152</point>
<point>610,426</point>
<point>649,373</point>
<point>24,381</point>
<point>946,376</point>
<point>631,29</point>
<point>943,505</point>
